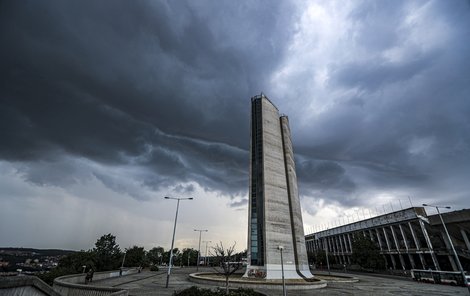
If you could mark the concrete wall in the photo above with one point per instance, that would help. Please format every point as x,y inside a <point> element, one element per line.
<point>282,214</point>
<point>25,286</point>
<point>22,291</point>
<point>71,285</point>
<point>276,204</point>
<point>301,259</point>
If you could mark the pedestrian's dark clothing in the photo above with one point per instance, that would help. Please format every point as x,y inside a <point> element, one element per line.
<point>89,276</point>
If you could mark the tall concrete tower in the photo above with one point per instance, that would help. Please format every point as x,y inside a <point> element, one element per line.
<point>275,217</point>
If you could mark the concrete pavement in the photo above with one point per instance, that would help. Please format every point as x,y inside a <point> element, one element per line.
<point>153,283</point>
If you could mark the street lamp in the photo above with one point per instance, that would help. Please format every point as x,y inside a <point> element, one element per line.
<point>450,241</point>
<point>280,248</point>
<point>199,250</point>
<point>173,239</point>
<point>122,264</point>
<point>205,259</point>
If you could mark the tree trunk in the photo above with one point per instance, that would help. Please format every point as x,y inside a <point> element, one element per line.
<point>226,284</point>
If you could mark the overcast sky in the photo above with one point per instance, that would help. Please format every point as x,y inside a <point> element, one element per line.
<point>108,106</point>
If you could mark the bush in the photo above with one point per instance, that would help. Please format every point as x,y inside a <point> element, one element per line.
<point>195,291</point>
<point>154,268</point>
<point>242,292</point>
<point>49,276</point>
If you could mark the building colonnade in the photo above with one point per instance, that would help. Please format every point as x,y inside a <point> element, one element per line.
<point>405,240</point>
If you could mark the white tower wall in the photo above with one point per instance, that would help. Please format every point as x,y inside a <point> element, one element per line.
<point>281,221</point>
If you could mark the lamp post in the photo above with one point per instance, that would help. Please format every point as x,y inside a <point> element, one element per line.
<point>122,264</point>
<point>123,259</point>
<point>199,250</point>
<point>205,259</point>
<point>280,248</point>
<point>173,239</point>
<point>451,244</point>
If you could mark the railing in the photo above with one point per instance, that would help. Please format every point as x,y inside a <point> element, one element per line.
<point>74,285</point>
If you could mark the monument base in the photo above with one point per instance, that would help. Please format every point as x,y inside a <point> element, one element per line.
<point>274,272</point>
<point>257,284</point>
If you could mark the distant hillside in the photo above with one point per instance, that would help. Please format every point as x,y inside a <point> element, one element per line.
<point>36,252</point>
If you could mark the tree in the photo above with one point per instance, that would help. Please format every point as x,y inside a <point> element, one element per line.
<point>155,255</point>
<point>226,262</point>
<point>310,257</point>
<point>75,262</point>
<point>241,256</point>
<point>176,257</point>
<point>70,264</point>
<point>191,254</point>
<point>136,256</point>
<point>108,253</point>
<point>366,253</point>
<point>105,256</point>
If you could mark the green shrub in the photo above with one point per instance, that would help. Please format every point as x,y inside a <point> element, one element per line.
<point>195,291</point>
<point>154,268</point>
<point>49,276</point>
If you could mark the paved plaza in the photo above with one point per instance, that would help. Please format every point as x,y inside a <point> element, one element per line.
<point>153,283</point>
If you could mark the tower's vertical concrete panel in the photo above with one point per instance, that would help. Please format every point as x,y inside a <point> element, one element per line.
<point>301,260</point>
<point>275,217</point>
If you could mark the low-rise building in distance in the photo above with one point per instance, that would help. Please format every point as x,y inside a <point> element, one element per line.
<point>408,239</point>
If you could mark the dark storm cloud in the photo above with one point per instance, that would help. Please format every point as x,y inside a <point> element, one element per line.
<point>322,175</point>
<point>212,165</point>
<point>161,90</point>
<point>377,23</point>
<point>375,74</point>
<point>96,80</point>
<point>395,113</point>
